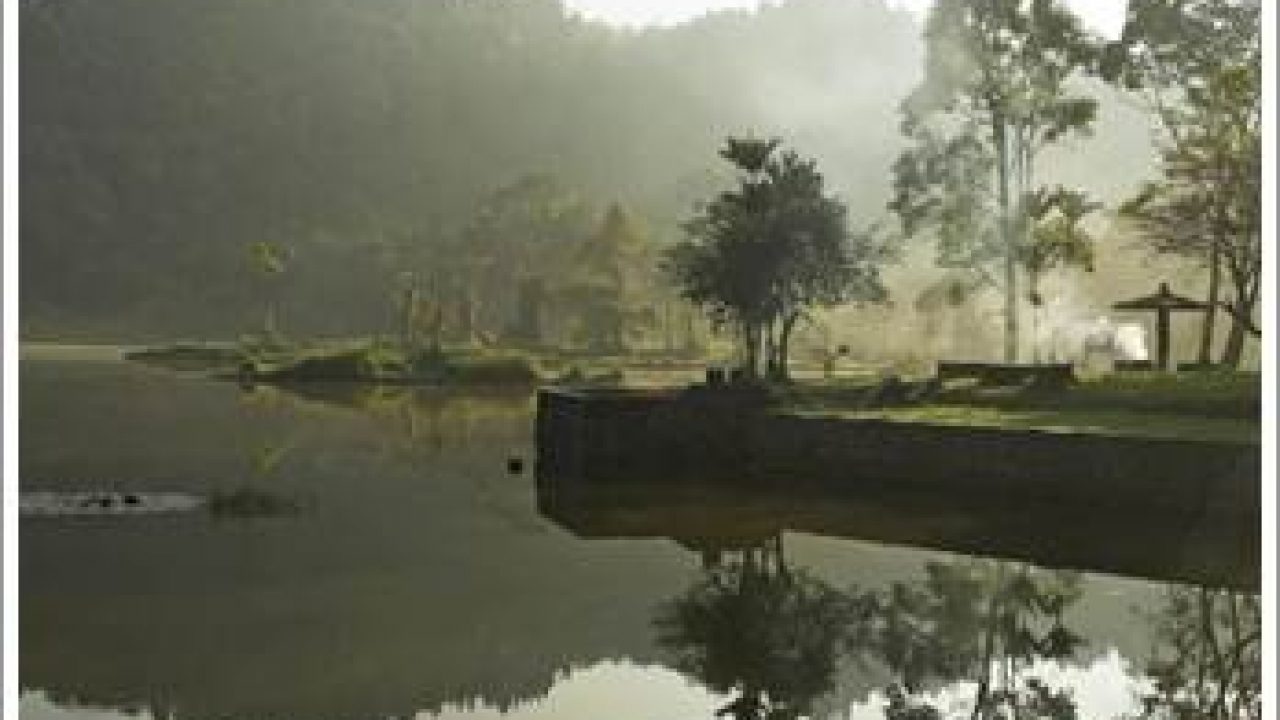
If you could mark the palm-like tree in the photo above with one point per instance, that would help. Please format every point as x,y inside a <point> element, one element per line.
<point>268,262</point>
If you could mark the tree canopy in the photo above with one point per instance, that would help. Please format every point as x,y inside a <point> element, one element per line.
<point>777,245</point>
<point>997,90</point>
<point>160,138</point>
<point>1198,65</point>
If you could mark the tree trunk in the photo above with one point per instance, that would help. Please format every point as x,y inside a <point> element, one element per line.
<point>1037,316</point>
<point>770,352</point>
<point>1205,356</point>
<point>668,327</point>
<point>467,318</point>
<point>690,342</point>
<point>1246,279</point>
<point>270,331</point>
<point>1000,138</point>
<point>751,349</point>
<point>1022,226</point>
<point>988,646</point>
<point>1234,349</point>
<point>409,319</point>
<point>784,346</point>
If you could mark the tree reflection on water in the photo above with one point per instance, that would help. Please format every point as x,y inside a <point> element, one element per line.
<point>774,638</point>
<point>1207,662</point>
<point>769,634</point>
<point>986,622</point>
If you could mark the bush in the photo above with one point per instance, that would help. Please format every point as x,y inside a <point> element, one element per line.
<point>191,357</point>
<point>491,368</point>
<point>369,362</point>
<point>250,502</point>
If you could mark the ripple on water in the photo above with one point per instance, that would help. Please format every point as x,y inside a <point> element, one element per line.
<point>89,502</point>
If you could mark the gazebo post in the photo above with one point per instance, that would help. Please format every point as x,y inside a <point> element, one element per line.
<point>1162,338</point>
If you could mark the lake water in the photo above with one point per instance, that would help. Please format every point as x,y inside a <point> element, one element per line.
<point>419,577</point>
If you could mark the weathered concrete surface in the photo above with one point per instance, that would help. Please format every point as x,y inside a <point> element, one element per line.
<point>640,463</point>
<point>727,436</point>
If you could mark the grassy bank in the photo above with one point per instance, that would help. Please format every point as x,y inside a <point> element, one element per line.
<point>383,362</point>
<point>1200,394</point>
<point>1106,422</point>
<point>1222,406</point>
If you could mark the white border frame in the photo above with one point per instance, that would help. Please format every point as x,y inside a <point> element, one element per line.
<point>1268,479</point>
<point>9,345</point>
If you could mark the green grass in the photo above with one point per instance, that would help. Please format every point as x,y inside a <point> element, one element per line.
<point>490,367</point>
<point>1106,422</point>
<point>1200,394</point>
<point>1215,406</point>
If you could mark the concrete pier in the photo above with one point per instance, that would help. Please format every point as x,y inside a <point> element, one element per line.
<point>727,436</point>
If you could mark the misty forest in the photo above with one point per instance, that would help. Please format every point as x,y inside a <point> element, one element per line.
<point>499,162</point>
<point>480,358</point>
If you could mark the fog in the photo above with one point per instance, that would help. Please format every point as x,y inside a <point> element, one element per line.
<point>162,140</point>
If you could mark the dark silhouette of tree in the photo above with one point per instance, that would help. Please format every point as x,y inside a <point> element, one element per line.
<point>995,94</point>
<point>1207,661</point>
<point>768,634</point>
<point>773,636</point>
<point>984,621</point>
<point>765,253</point>
<point>1198,65</point>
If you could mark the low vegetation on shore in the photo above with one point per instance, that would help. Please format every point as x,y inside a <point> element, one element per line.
<point>1211,405</point>
<point>1205,405</point>
<point>350,361</point>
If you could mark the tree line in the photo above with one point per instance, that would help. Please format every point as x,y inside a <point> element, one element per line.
<point>442,165</point>
<point>1003,82</point>
<point>161,141</point>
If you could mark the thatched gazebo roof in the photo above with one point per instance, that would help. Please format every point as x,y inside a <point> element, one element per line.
<point>1164,299</point>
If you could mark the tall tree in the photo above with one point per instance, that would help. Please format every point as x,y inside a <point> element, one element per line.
<point>520,237</point>
<point>996,92</point>
<point>174,131</point>
<point>1057,239</point>
<point>1198,65</point>
<point>608,280</point>
<point>765,253</point>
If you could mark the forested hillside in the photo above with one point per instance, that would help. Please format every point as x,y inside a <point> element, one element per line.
<point>160,141</point>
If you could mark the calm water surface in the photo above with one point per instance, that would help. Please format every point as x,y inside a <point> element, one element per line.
<point>421,579</point>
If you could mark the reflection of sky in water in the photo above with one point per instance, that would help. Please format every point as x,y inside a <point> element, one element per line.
<point>622,691</point>
<point>614,690</point>
<point>1105,688</point>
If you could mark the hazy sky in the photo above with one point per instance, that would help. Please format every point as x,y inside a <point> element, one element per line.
<point>1106,16</point>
